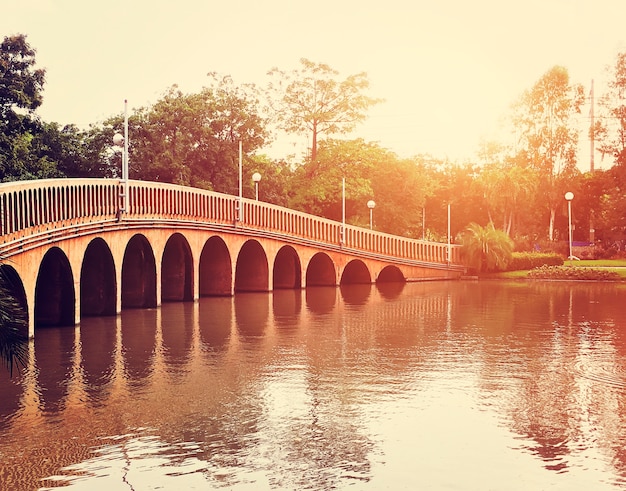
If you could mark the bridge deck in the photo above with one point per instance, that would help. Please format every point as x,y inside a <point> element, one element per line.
<point>46,210</point>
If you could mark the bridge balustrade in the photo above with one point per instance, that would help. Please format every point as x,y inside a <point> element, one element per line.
<point>29,207</point>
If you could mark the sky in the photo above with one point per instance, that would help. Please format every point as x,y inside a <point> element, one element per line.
<point>448,70</point>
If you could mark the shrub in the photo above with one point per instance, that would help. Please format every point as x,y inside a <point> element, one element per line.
<point>486,248</point>
<point>596,251</point>
<point>572,273</point>
<point>530,260</point>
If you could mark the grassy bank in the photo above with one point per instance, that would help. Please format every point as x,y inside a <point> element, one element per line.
<point>600,270</point>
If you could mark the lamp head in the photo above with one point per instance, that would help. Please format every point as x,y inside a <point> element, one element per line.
<point>118,139</point>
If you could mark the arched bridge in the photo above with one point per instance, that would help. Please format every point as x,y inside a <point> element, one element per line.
<point>91,247</point>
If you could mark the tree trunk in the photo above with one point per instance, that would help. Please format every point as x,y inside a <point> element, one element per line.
<point>551,229</point>
<point>314,144</point>
<point>509,224</point>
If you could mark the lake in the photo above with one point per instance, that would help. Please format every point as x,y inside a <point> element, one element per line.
<point>452,385</point>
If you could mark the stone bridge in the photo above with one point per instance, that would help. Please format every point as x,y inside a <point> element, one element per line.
<point>91,247</point>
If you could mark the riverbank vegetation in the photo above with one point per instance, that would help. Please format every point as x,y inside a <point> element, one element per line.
<point>505,205</point>
<point>13,326</point>
<point>517,184</point>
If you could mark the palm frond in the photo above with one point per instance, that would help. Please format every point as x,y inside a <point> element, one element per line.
<point>13,327</point>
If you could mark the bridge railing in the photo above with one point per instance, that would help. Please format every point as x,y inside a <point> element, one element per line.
<point>34,207</point>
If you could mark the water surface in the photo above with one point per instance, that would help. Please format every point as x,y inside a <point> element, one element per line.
<point>430,386</point>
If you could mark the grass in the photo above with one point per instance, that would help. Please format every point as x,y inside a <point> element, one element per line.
<point>598,263</point>
<point>617,266</point>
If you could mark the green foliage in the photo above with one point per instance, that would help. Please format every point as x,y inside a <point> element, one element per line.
<point>276,180</point>
<point>530,260</point>
<point>13,325</point>
<point>318,183</point>
<point>610,129</point>
<point>312,99</point>
<point>486,249</point>
<point>455,185</point>
<point>398,187</point>
<point>544,119</point>
<point>193,139</point>
<point>21,84</point>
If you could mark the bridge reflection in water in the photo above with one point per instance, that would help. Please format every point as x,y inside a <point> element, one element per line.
<point>71,252</point>
<point>330,388</point>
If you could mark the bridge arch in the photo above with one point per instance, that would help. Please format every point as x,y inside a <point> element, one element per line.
<point>390,274</point>
<point>98,286</point>
<point>321,271</point>
<point>252,270</point>
<point>215,269</point>
<point>356,272</point>
<point>55,297</point>
<point>138,274</point>
<point>177,270</point>
<point>287,271</point>
<point>68,215</point>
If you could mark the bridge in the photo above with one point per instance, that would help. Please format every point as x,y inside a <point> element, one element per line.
<point>91,247</point>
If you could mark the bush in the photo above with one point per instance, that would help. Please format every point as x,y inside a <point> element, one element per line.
<point>596,251</point>
<point>530,260</point>
<point>485,248</point>
<point>572,273</point>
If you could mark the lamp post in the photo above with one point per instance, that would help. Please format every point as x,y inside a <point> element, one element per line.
<point>121,141</point>
<point>256,177</point>
<point>569,196</point>
<point>371,204</point>
<point>449,241</point>
<point>342,239</point>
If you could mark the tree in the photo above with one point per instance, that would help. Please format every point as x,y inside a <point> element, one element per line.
<point>610,130</point>
<point>548,138</point>
<point>276,179</point>
<point>400,187</point>
<point>21,86</point>
<point>193,139</point>
<point>507,188</point>
<point>318,183</point>
<point>313,100</point>
<point>453,185</point>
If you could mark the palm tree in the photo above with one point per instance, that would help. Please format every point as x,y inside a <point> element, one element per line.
<point>486,248</point>
<point>13,324</point>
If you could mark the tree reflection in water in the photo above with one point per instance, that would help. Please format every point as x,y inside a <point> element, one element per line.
<point>359,387</point>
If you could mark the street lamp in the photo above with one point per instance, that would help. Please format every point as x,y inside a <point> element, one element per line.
<point>569,196</point>
<point>121,141</point>
<point>371,204</point>
<point>256,177</point>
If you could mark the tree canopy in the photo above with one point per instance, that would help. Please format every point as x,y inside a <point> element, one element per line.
<point>313,99</point>
<point>548,138</point>
<point>193,139</point>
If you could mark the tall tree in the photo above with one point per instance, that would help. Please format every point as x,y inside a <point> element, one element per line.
<point>21,86</point>
<point>610,129</point>
<point>193,139</point>
<point>507,188</point>
<point>314,100</point>
<point>548,136</point>
<point>318,183</point>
